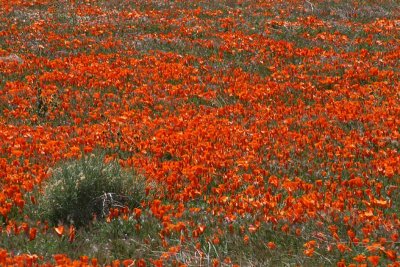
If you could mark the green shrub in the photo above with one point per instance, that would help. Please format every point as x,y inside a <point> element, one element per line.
<point>81,189</point>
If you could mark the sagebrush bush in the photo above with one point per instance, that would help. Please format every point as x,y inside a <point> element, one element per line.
<point>81,189</point>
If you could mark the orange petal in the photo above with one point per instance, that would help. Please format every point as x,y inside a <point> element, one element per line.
<point>59,230</point>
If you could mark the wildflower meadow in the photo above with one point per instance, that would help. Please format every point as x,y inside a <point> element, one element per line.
<point>199,133</point>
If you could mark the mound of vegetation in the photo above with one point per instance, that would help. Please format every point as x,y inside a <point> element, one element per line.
<point>79,190</point>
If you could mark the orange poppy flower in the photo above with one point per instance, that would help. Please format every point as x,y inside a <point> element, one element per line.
<point>374,260</point>
<point>59,230</point>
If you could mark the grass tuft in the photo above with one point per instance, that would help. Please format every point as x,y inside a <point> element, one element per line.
<point>81,189</point>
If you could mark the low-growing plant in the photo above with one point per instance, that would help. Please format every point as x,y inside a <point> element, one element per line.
<point>80,189</point>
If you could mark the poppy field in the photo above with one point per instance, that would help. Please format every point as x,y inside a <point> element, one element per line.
<point>259,133</point>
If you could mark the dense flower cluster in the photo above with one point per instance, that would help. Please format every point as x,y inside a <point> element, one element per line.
<point>284,112</point>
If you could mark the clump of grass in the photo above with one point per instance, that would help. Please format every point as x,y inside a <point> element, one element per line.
<point>80,189</point>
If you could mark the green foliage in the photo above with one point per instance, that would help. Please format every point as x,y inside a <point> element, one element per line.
<point>80,189</point>
<point>105,241</point>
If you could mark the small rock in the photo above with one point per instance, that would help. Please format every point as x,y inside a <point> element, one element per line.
<point>12,58</point>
